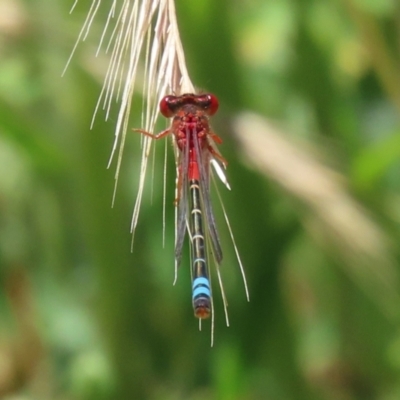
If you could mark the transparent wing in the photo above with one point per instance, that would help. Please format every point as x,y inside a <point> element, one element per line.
<point>204,163</point>
<point>180,228</point>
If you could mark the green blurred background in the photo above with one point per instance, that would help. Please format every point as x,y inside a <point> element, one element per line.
<point>83,317</point>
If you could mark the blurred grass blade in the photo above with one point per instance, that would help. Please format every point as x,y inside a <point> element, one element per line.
<point>333,216</point>
<point>139,33</point>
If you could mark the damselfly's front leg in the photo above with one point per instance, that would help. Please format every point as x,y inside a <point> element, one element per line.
<point>211,149</point>
<point>152,135</point>
<point>217,155</point>
<point>215,137</point>
<point>159,136</point>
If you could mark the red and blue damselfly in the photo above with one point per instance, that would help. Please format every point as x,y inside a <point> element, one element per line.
<point>150,28</point>
<point>196,150</point>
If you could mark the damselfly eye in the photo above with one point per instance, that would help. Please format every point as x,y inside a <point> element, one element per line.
<point>213,104</point>
<point>167,106</point>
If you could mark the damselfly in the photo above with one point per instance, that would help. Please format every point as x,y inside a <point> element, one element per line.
<point>195,151</point>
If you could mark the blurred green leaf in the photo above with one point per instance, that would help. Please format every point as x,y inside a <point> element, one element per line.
<point>373,162</point>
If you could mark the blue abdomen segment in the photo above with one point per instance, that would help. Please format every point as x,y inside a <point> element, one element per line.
<point>201,287</point>
<point>201,297</point>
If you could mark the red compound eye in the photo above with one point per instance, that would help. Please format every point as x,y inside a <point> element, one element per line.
<point>167,106</point>
<point>213,104</point>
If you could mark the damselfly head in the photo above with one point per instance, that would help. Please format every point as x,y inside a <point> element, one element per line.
<point>208,102</point>
<point>170,105</point>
